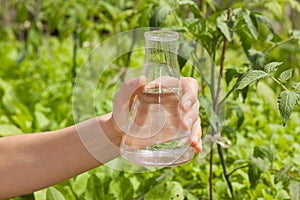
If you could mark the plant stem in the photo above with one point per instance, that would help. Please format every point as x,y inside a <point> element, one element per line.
<point>216,110</point>
<point>279,44</point>
<point>228,94</point>
<point>225,171</point>
<point>239,167</point>
<point>211,172</point>
<point>278,82</point>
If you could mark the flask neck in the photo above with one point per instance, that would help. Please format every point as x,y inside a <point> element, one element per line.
<point>161,53</point>
<point>161,56</point>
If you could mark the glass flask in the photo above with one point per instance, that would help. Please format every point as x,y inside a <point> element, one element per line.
<point>154,136</point>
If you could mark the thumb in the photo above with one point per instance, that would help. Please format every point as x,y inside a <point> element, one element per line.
<point>124,98</point>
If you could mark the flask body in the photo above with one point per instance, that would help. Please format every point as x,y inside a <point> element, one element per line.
<point>154,135</point>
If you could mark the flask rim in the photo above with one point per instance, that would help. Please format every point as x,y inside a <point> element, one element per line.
<point>161,36</point>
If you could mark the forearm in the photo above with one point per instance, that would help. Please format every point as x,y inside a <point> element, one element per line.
<point>30,162</point>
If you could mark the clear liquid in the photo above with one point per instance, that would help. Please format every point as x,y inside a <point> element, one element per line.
<point>154,136</point>
<point>164,154</point>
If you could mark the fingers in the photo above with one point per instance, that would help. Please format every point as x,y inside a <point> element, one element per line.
<point>196,134</point>
<point>189,104</point>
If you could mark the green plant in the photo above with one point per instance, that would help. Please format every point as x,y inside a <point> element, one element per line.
<point>45,42</point>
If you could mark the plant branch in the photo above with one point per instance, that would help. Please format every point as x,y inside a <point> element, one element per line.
<point>216,109</point>
<point>279,44</point>
<point>278,82</point>
<point>211,172</point>
<point>239,167</point>
<point>228,94</point>
<point>225,171</point>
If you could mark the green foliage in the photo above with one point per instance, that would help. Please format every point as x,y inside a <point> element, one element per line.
<point>37,41</point>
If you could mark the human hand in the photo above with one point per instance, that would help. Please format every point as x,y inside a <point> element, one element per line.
<point>189,104</point>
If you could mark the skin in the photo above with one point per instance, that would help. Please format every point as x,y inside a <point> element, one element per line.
<point>30,162</point>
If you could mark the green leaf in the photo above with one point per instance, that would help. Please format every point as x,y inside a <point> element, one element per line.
<point>295,5</point>
<point>245,38</point>
<point>9,129</point>
<point>287,101</point>
<point>54,194</point>
<point>265,152</point>
<point>94,189</point>
<point>257,59</point>
<point>159,15</point>
<point>251,24</point>
<point>272,67</point>
<point>294,189</point>
<point>230,133</point>
<point>224,26</point>
<point>167,190</point>
<point>80,183</point>
<point>276,8</point>
<point>121,188</point>
<point>282,174</point>
<point>296,87</point>
<point>295,34</point>
<point>230,74</point>
<point>286,75</point>
<point>192,5</point>
<point>239,112</point>
<point>184,52</point>
<point>266,22</point>
<point>282,195</point>
<point>251,76</point>
<point>254,171</point>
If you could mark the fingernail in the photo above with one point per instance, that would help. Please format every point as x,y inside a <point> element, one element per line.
<point>188,122</point>
<point>187,104</point>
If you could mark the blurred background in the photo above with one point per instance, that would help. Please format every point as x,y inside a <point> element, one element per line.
<point>44,43</point>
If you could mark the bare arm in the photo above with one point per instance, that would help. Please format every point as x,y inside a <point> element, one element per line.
<point>31,162</point>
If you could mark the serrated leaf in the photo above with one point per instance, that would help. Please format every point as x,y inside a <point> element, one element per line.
<point>272,67</point>
<point>265,21</point>
<point>251,76</point>
<point>223,26</point>
<point>286,75</point>
<point>251,24</point>
<point>168,190</point>
<point>54,194</point>
<point>94,189</point>
<point>265,152</point>
<point>296,87</point>
<point>287,101</point>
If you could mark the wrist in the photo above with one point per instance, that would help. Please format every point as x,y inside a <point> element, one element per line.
<point>100,137</point>
<point>110,128</point>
